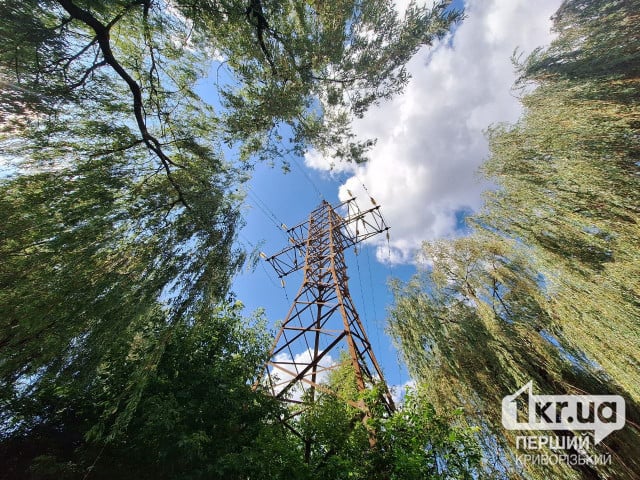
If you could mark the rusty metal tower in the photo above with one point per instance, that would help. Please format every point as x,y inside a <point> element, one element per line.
<point>323,320</point>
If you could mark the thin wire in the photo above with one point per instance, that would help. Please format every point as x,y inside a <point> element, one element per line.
<point>401,376</point>
<point>375,313</point>
<point>306,175</point>
<point>282,285</point>
<point>355,175</point>
<point>363,185</point>
<point>266,211</point>
<point>390,267</point>
<point>273,216</point>
<point>266,271</point>
<point>364,302</point>
<point>389,261</point>
<point>280,225</point>
<point>373,301</point>
<point>284,333</point>
<point>285,293</point>
<point>249,245</point>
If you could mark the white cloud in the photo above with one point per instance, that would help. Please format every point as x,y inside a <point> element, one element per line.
<point>430,139</point>
<point>398,392</point>
<point>299,363</point>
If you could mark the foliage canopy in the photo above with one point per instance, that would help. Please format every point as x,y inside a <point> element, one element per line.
<point>126,130</point>
<point>547,286</point>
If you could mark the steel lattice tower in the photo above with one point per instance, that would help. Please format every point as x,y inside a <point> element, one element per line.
<point>323,319</point>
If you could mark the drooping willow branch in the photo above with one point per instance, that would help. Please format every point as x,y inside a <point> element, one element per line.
<point>103,38</point>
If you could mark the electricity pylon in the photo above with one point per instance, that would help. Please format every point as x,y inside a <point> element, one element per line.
<point>323,318</point>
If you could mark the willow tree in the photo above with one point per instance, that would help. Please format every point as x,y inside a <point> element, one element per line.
<point>475,326</point>
<point>570,180</point>
<point>547,286</point>
<point>197,416</point>
<point>120,175</point>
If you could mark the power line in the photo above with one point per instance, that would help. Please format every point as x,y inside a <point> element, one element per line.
<point>267,212</point>
<point>399,361</point>
<point>364,301</point>
<point>373,301</point>
<point>263,206</point>
<point>309,179</point>
<point>266,271</point>
<point>366,190</point>
<point>377,323</point>
<point>257,203</point>
<point>251,246</point>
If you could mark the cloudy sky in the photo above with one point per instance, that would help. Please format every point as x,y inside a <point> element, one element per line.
<point>422,171</point>
<point>430,139</point>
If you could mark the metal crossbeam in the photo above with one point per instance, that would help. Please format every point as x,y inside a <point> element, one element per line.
<point>355,227</point>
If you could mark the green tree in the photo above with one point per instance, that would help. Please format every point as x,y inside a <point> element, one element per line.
<point>122,199</point>
<point>569,180</point>
<point>475,326</point>
<point>414,442</point>
<point>309,65</point>
<point>119,189</point>
<point>546,288</point>
<point>86,268</point>
<point>197,415</point>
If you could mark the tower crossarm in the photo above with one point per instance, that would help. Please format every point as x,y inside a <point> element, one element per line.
<point>355,227</point>
<point>288,260</point>
<point>359,225</point>
<point>292,257</point>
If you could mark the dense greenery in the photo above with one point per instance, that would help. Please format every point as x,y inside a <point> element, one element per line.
<point>198,417</point>
<point>121,352</point>
<point>412,443</point>
<point>548,285</point>
<point>194,416</point>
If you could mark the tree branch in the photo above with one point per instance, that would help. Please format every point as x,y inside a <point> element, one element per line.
<point>86,74</point>
<point>116,150</point>
<point>255,16</point>
<point>102,35</point>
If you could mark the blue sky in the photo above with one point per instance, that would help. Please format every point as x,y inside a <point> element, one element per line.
<point>290,198</point>
<point>422,171</point>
